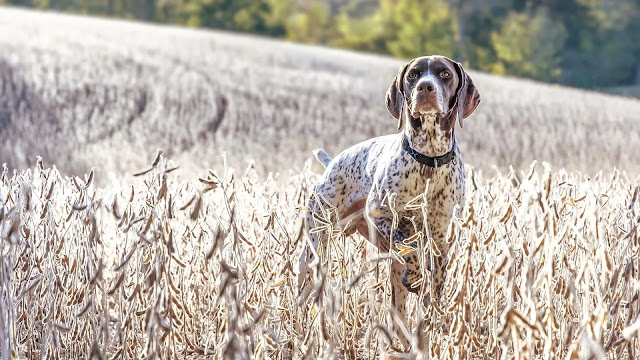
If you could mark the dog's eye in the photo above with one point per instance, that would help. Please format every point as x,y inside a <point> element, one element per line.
<point>412,75</point>
<point>445,74</point>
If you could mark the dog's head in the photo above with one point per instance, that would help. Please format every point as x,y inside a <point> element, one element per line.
<point>435,87</point>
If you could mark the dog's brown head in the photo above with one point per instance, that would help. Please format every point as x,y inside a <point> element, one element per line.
<point>433,85</point>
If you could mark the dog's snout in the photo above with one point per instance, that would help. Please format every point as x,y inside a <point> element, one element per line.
<point>426,86</point>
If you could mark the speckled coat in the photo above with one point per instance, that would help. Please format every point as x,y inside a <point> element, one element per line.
<point>372,182</point>
<point>380,175</point>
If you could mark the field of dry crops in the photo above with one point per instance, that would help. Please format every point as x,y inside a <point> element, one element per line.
<point>544,264</point>
<point>195,263</point>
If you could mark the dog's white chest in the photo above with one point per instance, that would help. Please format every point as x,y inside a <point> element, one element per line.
<point>423,190</point>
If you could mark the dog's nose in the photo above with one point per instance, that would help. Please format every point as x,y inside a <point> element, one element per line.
<point>426,85</point>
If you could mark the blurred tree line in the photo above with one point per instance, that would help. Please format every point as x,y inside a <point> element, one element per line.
<point>584,43</point>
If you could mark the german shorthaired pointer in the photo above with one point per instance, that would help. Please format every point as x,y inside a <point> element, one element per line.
<point>381,182</point>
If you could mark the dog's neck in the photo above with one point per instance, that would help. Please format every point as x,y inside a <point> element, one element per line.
<point>427,137</point>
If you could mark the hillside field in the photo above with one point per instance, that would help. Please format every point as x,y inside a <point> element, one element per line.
<point>198,261</point>
<point>79,90</point>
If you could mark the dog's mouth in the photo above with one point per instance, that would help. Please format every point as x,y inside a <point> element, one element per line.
<point>424,112</point>
<point>427,107</point>
<point>425,119</point>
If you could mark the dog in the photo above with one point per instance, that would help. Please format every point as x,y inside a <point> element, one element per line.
<point>376,183</point>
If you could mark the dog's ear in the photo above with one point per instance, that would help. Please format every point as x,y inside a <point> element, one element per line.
<point>395,95</point>
<point>467,95</point>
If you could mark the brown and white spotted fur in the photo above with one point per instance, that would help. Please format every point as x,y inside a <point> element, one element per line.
<point>364,182</point>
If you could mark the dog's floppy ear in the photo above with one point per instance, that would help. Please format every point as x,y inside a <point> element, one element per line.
<point>467,96</point>
<point>395,95</point>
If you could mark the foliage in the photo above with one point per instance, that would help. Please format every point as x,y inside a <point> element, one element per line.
<point>418,28</point>
<point>529,46</point>
<point>603,44</point>
<point>358,27</point>
<point>242,15</point>
<point>312,25</point>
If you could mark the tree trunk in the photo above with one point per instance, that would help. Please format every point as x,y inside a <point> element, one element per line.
<point>459,7</point>
<point>149,10</point>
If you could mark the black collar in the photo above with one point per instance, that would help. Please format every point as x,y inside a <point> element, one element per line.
<point>433,162</point>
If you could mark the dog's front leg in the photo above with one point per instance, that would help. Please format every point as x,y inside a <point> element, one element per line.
<point>401,275</point>
<point>396,240</point>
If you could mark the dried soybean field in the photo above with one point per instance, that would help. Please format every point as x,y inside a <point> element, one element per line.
<point>198,261</point>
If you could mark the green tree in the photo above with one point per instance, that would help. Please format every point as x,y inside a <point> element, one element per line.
<point>476,21</point>
<point>417,28</point>
<point>529,46</point>
<point>605,50</point>
<point>312,25</point>
<point>357,28</point>
<point>276,14</point>
<point>242,15</point>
